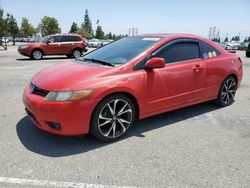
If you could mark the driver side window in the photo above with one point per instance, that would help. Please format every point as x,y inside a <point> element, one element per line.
<point>182,51</point>
<point>55,39</point>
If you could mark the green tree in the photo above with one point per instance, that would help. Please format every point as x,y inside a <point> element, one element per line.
<point>3,28</point>
<point>87,23</point>
<point>82,31</point>
<point>27,29</point>
<point>108,36</point>
<point>74,28</point>
<point>12,27</point>
<point>226,39</point>
<point>99,32</point>
<point>48,26</point>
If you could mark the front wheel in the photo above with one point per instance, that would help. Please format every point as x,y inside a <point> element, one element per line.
<point>37,55</point>
<point>227,92</point>
<point>112,118</point>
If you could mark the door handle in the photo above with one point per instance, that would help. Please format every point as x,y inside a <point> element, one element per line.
<point>197,68</point>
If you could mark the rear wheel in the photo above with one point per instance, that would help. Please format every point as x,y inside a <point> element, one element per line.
<point>248,54</point>
<point>227,92</point>
<point>77,53</point>
<point>37,55</point>
<point>112,118</point>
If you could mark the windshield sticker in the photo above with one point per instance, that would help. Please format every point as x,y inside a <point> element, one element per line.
<point>151,39</point>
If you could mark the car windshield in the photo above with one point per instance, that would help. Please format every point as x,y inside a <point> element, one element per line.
<point>122,51</point>
<point>45,39</point>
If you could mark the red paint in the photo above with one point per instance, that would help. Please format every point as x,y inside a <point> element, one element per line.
<point>158,90</point>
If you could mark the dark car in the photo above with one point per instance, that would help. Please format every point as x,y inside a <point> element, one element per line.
<point>248,50</point>
<point>59,44</point>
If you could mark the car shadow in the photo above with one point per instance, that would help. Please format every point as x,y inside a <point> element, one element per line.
<point>43,59</point>
<point>47,144</point>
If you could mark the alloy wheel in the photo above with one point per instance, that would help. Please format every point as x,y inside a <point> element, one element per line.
<point>228,91</point>
<point>37,55</point>
<point>115,118</point>
<point>77,53</point>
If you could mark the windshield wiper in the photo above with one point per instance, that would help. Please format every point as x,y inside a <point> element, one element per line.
<point>99,61</point>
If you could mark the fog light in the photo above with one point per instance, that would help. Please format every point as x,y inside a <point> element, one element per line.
<point>53,125</point>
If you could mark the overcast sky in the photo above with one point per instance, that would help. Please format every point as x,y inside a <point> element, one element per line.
<point>159,16</point>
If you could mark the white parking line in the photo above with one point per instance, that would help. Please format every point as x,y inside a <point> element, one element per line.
<point>46,183</point>
<point>13,67</point>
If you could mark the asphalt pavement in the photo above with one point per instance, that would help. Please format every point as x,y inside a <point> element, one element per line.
<point>198,146</point>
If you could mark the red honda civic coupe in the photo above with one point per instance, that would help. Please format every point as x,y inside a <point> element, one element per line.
<point>103,92</point>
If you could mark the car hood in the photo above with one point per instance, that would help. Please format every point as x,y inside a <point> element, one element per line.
<point>64,76</point>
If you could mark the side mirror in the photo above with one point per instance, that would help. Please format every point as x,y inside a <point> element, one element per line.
<point>155,62</point>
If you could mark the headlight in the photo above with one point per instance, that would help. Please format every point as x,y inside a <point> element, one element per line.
<point>22,47</point>
<point>59,96</point>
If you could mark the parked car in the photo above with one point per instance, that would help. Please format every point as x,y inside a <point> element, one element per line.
<point>105,42</point>
<point>5,40</point>
<point>243,46</point>
<point>248,50</point>
<point>233,45</point>
<point>136,77</point>
<point>59,44</point>
<point>94,43</point>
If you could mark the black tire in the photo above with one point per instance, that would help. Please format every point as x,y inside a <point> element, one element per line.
<point>36,54</point>
<point>107,126</point>
<point>227,92</point>
<point>76,53</point>
<point>248,54</point>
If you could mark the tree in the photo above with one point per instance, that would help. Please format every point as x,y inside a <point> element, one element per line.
<point>237,38</point>
<point>99,32</point>
<point>74,28</point>
<point>48,26</point>
<point>108,36</point>
<point>26,28</point>
<point>82,31</point>
<point>87,23</point>
<point>3,28</point>
<point>12,27</point>
<point>226,39</point>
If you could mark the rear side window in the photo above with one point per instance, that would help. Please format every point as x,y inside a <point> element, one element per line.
<point>180,52</point>
<point>71,38</point>
<point>208,51</point>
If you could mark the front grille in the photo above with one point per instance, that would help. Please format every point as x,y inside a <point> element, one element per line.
<point>38,91</point>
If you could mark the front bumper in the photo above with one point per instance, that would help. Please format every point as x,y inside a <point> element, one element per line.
<point>23,52</point>
<point>73,117</point>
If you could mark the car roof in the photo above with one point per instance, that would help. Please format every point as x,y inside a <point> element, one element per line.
<point>65,34</point>
<point>166,35</point>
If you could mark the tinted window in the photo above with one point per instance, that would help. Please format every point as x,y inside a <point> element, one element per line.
<point>180,52</point>
<point>123,50</point>
<point>76,38</point>
<point>70,38</point>
<point>55,39</point>
<point>209,51</point>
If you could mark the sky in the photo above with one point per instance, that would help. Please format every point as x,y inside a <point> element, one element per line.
<point>149,16</point>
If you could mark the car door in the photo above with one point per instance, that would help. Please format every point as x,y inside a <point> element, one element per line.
<point>53,46</point>
<point>67,44</point>
<point>181,81</point>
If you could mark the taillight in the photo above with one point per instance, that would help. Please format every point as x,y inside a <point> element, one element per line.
<point>239,59</point>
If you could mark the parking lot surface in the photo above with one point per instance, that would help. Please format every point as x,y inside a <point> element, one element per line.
<point>198,146</point>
